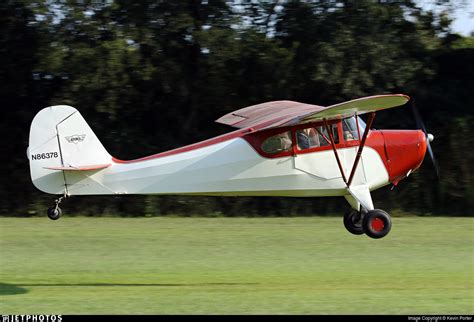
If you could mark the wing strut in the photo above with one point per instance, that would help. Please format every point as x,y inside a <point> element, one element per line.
<point>335,151</point>
<point>361,146</point>
<point>359,152</point>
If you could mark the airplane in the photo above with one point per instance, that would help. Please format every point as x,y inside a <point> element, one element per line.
<point>280,148</point>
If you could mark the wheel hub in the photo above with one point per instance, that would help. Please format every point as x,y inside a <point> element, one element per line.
<point>377,224</point>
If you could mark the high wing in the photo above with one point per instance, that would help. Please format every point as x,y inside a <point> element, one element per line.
<point>284,113</point>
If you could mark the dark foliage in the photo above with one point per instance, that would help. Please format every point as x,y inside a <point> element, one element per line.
<point>139,71</point>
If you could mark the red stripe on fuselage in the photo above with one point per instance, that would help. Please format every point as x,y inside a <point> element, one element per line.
<point>187,148</point>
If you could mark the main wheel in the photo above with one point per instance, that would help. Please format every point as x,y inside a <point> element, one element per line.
<point>54,213</point>
<point>353,222</point>
<point>376,223</point>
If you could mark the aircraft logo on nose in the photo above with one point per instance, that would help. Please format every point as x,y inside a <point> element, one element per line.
<point>76,138</point>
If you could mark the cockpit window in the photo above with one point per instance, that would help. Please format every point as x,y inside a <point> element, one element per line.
<point>277,143</point>
<point>313,137</point>
<point>349,128</point>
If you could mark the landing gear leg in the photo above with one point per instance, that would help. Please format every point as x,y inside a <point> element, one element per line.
<point>55,212</point>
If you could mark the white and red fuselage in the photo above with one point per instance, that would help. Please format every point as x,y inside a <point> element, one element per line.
<point>234,164</point>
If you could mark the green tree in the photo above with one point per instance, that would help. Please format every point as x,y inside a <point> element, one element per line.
<point>150,76</point>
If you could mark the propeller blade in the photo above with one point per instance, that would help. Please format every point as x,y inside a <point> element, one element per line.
<point>419,122</point>
<point>421,125</point>
<point>433,160</point>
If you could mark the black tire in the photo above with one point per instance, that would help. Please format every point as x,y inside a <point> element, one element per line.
<point>54,213</point>
<point>376,223</point>
<point>353,222</point>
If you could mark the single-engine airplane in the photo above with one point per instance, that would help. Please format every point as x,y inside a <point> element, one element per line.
<point>281,148</point>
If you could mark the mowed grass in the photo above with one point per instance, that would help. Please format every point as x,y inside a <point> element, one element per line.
<point>159,265</point>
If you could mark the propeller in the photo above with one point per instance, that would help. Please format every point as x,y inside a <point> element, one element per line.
<point>429,137</point>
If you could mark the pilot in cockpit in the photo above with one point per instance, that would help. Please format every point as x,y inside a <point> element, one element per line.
<point>307,138</point>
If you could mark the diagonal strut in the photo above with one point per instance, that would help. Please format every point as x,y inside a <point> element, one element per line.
<point>361,147</point>
<point>335,150</point>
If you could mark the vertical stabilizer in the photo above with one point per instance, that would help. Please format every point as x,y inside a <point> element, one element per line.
<point>61,138</point>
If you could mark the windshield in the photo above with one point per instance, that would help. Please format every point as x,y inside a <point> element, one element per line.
<point>349,128</point>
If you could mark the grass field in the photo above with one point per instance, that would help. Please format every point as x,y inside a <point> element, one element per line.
<point>234,266</point>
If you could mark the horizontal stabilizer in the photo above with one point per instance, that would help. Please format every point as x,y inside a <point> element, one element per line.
<point>81,168</point>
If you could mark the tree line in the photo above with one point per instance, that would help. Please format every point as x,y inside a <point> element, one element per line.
<point>149,76</point>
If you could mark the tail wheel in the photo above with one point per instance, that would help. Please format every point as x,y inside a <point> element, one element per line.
<point>377,223</point>
<point>54,213</point>
<point>353,222</point>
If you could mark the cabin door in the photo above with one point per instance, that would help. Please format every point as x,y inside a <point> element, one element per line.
<point>314,154</point>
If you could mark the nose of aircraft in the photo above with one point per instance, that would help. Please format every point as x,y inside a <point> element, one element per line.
<point>422,145</point>
<point>405,152</point>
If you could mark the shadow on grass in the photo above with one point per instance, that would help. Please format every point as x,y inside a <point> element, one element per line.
<point>9,289</point>
<point>127,284</point>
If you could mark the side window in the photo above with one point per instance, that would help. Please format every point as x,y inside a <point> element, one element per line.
<point>277,143</point>
<point>349,129</point>
<point>335,134</point>
<point>308,138</point>
<point>314,137</point>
